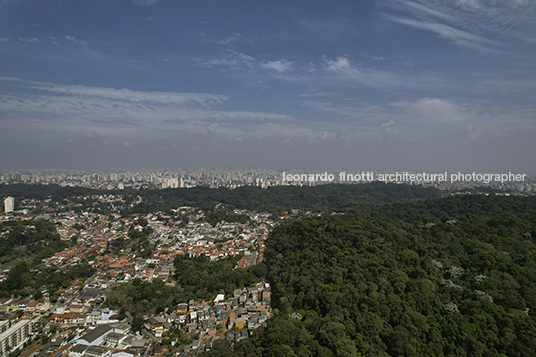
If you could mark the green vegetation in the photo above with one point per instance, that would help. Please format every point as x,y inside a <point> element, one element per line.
<point>31,241</point>
<point>140,298</point>
<point>279,198</point>
<point>202,279</point>
<point>222,348</point>
<point>445,277</point>
<point>40,192</point>
<point>138,242</point>
<point>197,278</point>
<point>217,215</point>
<point>23,248</point>
<point>22,281</point>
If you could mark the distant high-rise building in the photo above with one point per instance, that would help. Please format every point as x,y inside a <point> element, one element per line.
<point>9,204</point>
<point>173,183</point>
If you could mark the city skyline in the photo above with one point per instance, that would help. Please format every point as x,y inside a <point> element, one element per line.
<point>507,183</point>
<point>382,85</point>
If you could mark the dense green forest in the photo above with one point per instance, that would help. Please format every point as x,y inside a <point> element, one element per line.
<point>40,192</point>
<point>444,277</point>
<point>281,198</point>
<point>216,215</point>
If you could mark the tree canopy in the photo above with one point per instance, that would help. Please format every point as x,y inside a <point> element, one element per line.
<point>446,277</point>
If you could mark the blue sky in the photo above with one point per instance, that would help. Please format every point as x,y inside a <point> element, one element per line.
<point>386,85</point>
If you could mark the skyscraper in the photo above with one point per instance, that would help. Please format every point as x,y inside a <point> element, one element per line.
<point>9,204</point>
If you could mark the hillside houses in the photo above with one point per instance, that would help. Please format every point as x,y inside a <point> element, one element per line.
<point>233,318</point>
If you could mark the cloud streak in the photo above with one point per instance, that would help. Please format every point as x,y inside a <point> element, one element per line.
<point>126,95</point>
<point>324,72</point>
<point>109,111</point>
<point>460,37</point>
<point>481,25</point>
<point>145,2</point>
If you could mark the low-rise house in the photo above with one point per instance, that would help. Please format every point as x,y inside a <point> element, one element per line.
<point>125,353</point>
<point>139,346</point>
<point>78,350</point>
<point>76,308</point>
<point>253,322</point>
<point>32,351</point>
<point>63,351</point>
<point>114,338</point>
<point>95,337</point>
<point>241,334</point>
<point>240,323</point>
<point>97,351</point>
<point>31,306</point>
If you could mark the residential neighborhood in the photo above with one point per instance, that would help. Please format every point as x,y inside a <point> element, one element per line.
<point>73,320</point>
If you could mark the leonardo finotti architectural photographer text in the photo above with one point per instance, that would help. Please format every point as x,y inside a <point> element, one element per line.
<point>369,176</point>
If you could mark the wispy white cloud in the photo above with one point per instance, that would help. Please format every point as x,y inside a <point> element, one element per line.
<point>234,38</point>
<point>435,110</point>
<point>74,40</point>
<point>317,94</point>
<point>11,79</point>
<point>340,64</point>
<point>239,61</point>
<point>325,72</point>
<point>145,2</point>
<point>487,85</point>
<point>450,33</point>
<point>280,66</point>
<point>228,40</point>
<point>107,111</point>
<point>69,49</point>
<point>420,9</point>
<point>130,96</point>
<point>342,70</point>
<point>30,40</point>
<point>361,116</point>
<point>478,24</point>
<point>378,58</point>
<point>230,59</point>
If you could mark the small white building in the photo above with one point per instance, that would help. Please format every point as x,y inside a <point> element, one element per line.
<point>124,353</point>
<point>220,299</point>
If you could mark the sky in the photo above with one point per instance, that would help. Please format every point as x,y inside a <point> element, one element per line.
<point>435,85</point>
